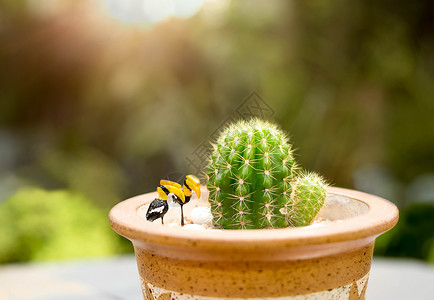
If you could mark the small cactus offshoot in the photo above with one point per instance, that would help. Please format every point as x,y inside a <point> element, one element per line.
<point>309,193</point>
<point>254,181</point>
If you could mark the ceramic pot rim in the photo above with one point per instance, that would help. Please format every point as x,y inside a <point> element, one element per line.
<point>382,216</point>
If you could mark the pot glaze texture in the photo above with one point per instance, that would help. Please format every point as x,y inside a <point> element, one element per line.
<point>324,261</point>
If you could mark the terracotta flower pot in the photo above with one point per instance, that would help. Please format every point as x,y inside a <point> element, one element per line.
<point>331,261</point>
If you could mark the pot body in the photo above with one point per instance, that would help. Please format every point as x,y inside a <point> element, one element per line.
<point>328,262</point>
<point>342,275</point>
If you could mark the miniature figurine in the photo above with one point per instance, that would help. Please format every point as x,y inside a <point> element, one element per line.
<point>159,206</point>
<point>191,183</point>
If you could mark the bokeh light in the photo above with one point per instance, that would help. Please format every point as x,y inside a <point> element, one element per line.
<point>101,98</point>
<point>149,11</point>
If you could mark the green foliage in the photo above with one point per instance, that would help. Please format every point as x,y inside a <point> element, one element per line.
<point>430,256</point>
<point>78,171</point>
<point>47,225</point>
<point>413,236</point>
<point>253,180</point>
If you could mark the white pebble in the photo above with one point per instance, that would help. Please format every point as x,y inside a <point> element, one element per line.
<point>193,227</point>
<point>201,215</point>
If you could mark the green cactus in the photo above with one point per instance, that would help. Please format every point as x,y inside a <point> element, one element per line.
<point>251,176</point>
<point>309,193</point>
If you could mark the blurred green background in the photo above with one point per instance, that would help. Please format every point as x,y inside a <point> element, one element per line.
<point>101,99</point>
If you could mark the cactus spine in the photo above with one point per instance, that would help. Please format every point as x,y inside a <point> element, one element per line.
<point>253,183</point>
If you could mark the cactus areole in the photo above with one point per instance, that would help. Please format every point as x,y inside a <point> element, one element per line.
<point>254,181</point>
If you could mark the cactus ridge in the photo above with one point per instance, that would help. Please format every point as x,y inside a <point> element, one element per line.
<point>251,178</point>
